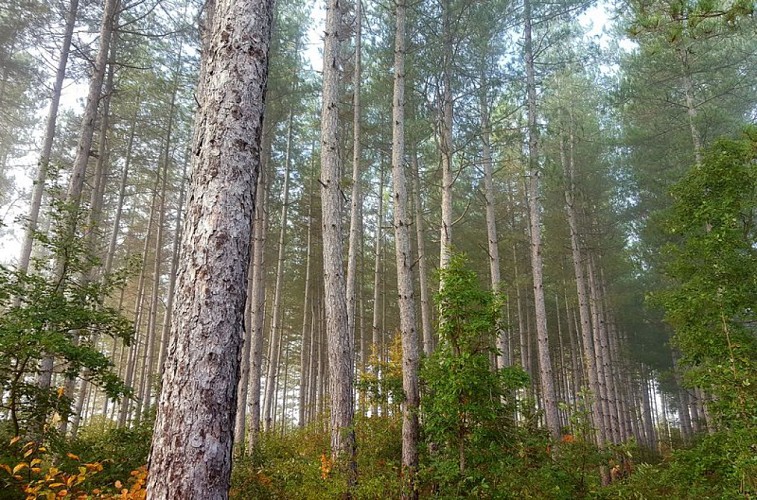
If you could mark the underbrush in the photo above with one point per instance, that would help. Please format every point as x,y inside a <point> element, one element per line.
<point>721,465</point>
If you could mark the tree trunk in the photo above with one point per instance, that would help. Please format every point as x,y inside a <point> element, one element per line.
<point>340,345</point>
<point>503,356</point>
<point>83,151</point>
<point>166,331</point>
<point>47,145</point>
<point>306,335</point>
<point>257,308</point>
<point>428,334</point>
<point>545,363</point>
<point>590,357</point>
<point>404,259</point>
<point>445,139</point>
<point>356,203</point>
<point>190,455</point>
<point>276,323</point>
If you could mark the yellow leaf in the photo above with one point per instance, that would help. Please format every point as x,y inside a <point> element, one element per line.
<point>52,472</point>
<point>61,391</point>
<point>15,440</point>
<point>5,467</point>
<point>62,493</point>
<point>56,485</point>
<point>70,480</point>
<point>27,445</point>
<point>28,452</point>
<point>83,471</point>
<point>36,470</point>
<point>72,456</point>
<point>20,466</point>
<point>35,462</point>
<point>41,449</point>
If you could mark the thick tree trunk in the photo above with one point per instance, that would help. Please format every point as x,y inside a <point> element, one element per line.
<point>340,343</point>
<point>190,455</point>
<point>404,259</point>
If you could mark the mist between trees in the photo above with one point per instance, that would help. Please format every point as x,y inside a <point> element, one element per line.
<point>481,252</point>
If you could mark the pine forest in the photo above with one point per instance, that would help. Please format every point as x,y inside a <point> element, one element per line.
<point>373,249</point>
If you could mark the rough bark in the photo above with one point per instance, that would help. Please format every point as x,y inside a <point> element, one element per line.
<point>340,345</point>
<point>190,455</point>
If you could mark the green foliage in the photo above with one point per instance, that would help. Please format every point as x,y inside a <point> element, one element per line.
<point>722,465</point>
<point>712,265</point>
<point>58,313</point>
<point>119,450</point>
<point>467,407</point>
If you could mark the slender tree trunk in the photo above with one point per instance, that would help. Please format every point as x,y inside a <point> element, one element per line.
<point>503,356</point>
<point>340,343</point>
<point>150,356</point>
<point>428,335</point>
<point>306,335</point>
<point>165,333</point>
<point>93,223</point>
<point>590,357</point>
<point>83,151</point>
<point>445,138</point>
<point>356,203</point>
<point>377,270</point>
<point>691,110</point>
<point>47,145</point>
<point>257,308</point>
<point>191,449</point>
<point>276,323</point>
<point>649,428</point>
<point>404,259</point>
<point>545,363</point>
